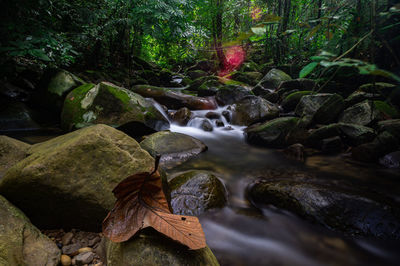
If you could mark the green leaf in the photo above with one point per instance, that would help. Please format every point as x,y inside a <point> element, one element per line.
<point>307,69</point>
<point>39,54</point>
<point>259,30</point>
<point>318,58</point>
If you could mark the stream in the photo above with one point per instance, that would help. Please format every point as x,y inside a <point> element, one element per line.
<point>240,234</point>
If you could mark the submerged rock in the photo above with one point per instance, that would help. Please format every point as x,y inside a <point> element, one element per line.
<point>11,152</point>
<point>152,248</point>
<point>341,207</point>
<point>195,192</point>
<point>173,99</point>
<point>21,243</point>
<point>174,148</point>
<point>109,104</point>
<point>252,109</point>
<point>272,133</point>
<point>68,181</point>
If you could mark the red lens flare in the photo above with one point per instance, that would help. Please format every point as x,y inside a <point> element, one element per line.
<point>234,58</point>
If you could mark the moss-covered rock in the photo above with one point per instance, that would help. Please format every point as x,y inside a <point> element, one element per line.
<point>54,86</point>
<point>174,148</point>
<point>342,207</point>
<point>151,248</point>
<point>194,192</point>
<point>322,108</point>
<point>11,152</point>
<point>272,133</point>
<point>273,79</point>
<point>21,243</point>
<point>249,66</point>
<point>364,114</point>
<point>68,181</point>
<point>182,116</point>
<point>360,96</point>
<point>252,109</point>
<point>173,99</point>
<point>350,134</point>
<point>251,78</point>
<point>290,102</point>
<point>195,74</point>
<point>109,104</point>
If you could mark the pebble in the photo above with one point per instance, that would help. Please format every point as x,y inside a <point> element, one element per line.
<point>94,241</point>
<point>71,249</point>
<point>66,239</point>
<point>66,260</point>
<point>84,258</point>
<point>85,249</point>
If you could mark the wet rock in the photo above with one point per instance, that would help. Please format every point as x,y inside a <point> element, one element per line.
<point>290,102</point>
<point>84,258</point>
<point>206,125</point>
<point>182,116</point>
<point>174,147</point>
<point>364,113</point>
<point>11,152</point>
<point>251,78</point>
<point>21,242</point>
<point>341,207</point>
<point>71,249</point>
<point>322,108</point>
<point>152,248</point>
<point>331,145</point>
<point>273,79</point>
<point>350,134</point>
<point>296,152</point>
<point>227,115</point>
<point>391,160</point>
<point>370,152</point>
<point>298,84</point>
<point>360,96</point>
<point>66,260</point>
<point>16,116</point>
<point>231,94</point>
<point>219,123</point>
<point>195,192</point>
<point>392,126</point>
<point>68,181</point>
<point>173,99</point>
<point>272,133</point>
<point>253,109</point>
<point>209,88</point>
<point>66,239</point>
<point>196,84</point>
<point>109,104</point>
<point>54,87</point>
<point>213,115</point>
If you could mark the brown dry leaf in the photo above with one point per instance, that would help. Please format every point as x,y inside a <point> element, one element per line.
<point>141,203</point>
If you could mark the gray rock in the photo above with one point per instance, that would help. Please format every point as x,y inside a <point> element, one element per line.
<point>253,109</point>
<point>231,94</point>
<point>273,79</point>
<point>391,160</point>
<point>363,114</point>
<point>66,239</point>
<point>195,192</point>
<point>182,116</point>
<point>206,125</point>
<point>68,181</point>
<point>360,96</point>
<point>21,243</point>
<point>71,249</point>
<point>392,126</point>
<point>174,148</point>
<point>84,258</point>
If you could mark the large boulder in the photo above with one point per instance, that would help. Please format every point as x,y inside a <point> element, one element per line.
<point>360,96</point>
<point>290,102</point>
<point>21,243</point>
<point>272,133</point>
<point>174,148</point>
<point>251,78</point>
<point>322,108</point>
<point>173,99</point>
<point>106,103</point>
<point>152,248</point>
<point>364,114</point>
<point>272,80</point>
<point>298,84</point>
<point>342,207</point>
<point>11,152</point>
<point>54,86</point>
<point>68,181</point>
<point>350,134</point>
<point>252,109</point>
<point>231,94</point>
<point>194,192</point>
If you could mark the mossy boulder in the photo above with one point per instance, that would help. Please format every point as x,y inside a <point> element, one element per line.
<point>252,109</point>
<point>209,88</point>
<point>206,65</point>
<point>272,79</point>
<point>271,133</point>
<point>173,99</point>
<point>290,102</point>
<point>151,248</point>
<point>360,96</point>
<point>196,83</point>
<point>54,86</point>
<point>322,108</point>
<point>249,66</point>
<point>11,152</point>
<point>378,87</point>
<point>106,103</point>
<point>251,78</point>
<point>334,204</point>
<point>67,181</point>
<point>174,148</point>
<point>21,243</point>
<point>352,135</point>
<point>364,113</point>
<point>194,192</point>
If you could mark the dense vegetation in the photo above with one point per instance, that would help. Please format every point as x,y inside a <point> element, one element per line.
<point>109,33</point>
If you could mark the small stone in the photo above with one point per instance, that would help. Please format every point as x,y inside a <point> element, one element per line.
<point>85,249</point>
<point>84,258</point>
<point>66,239</point>
<point>66,260</point>
<point>206,125</point>
<point>219,123</point>
<point>71,249</point>
<point>94,241</point>
<point>213,115</point>
<point>227,115</point>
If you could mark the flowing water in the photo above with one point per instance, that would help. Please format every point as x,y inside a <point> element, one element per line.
<point>240,234</point>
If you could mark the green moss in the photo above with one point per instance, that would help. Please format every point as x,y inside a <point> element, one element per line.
<point>119,93</point>
<point>278,123</point>
<point>297,95</point>
<point>385,108</point>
